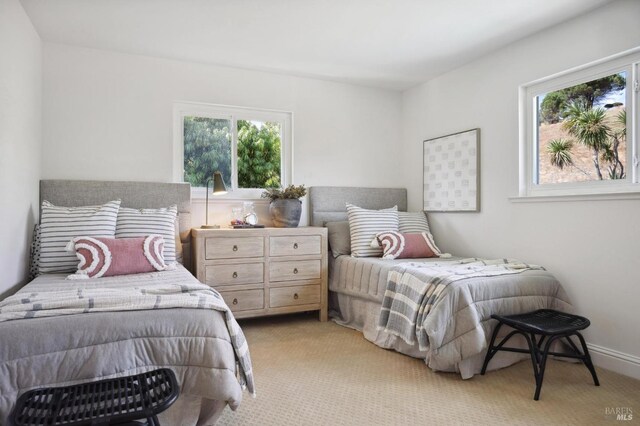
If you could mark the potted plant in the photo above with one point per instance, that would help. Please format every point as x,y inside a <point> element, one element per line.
<point>285,207</point>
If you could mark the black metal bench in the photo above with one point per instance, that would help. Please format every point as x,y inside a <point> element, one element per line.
<point>550,325</point>
<point>116,401</point>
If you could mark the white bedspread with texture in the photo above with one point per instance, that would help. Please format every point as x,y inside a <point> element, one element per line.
<point>56,332</point>
<point>462,321</point>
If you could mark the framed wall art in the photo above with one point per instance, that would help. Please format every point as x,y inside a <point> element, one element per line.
<point>451,172</point>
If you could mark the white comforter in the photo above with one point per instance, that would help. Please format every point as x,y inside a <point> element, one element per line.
<point>194,334</point>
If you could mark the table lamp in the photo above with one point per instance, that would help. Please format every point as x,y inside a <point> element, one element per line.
<point>219,188</point>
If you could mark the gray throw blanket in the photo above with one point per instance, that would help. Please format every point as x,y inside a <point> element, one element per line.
<point>73,297</point>
<point>413,289</point>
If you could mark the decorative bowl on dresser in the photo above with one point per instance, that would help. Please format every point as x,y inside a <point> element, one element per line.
<point>264,271</point>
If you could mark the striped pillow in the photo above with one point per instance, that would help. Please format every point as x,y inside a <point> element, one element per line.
<point>413,222</point>
<point>143,222</point>
<point>179,248</point>
<point>365,224</point>
<point>58,225</point>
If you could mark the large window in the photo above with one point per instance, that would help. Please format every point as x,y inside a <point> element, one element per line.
<point>578,130</point>
<point>251,148</point>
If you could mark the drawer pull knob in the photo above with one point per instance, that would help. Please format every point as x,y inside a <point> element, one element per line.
<point>235,301</point>
<point>235,248</point>
<point>295,245</point>
<point>235,275</point>
<point>295,270</point>
<point>295,296</point>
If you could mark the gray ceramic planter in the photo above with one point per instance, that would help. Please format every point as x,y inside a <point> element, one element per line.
<point>286,212</point>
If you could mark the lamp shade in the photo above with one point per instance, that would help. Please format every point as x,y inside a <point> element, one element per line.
<point>218,189</point>
<point>218,184</point>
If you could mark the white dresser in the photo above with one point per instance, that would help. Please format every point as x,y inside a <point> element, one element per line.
<point>264,271</point>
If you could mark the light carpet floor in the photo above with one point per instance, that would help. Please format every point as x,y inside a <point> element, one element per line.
<point>313,373</point>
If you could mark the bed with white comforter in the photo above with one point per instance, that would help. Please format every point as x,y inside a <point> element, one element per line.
<point>56,332</point>
<point>459,324</point>
<point>440,314</point>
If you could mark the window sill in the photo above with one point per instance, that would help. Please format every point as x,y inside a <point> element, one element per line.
<point>575,197</point>
<point>232,199</point>
<point>237,195</point>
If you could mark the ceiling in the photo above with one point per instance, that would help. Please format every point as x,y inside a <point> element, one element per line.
<point>385,43</point>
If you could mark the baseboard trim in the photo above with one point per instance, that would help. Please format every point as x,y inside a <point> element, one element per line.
<point>613,360</point>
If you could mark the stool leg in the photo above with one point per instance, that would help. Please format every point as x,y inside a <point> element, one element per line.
<point>532,352</point>
<point>573,345</point>
<point>540,341</point>
<point>543,364</point>
<point>587,359</point>
<point>490,352</point>
<point>537,346</point>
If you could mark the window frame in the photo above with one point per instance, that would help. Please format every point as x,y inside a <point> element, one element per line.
<point>628,61</point>
<point>233,113</point>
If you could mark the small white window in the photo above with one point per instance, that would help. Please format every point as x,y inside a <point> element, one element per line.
<point>578,130</point>
<point>250,147</point>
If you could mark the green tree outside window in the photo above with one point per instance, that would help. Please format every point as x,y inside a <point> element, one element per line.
<point>208,148</point>
<point>258,155</point>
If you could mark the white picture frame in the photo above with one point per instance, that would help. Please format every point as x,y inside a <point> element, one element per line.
<point>451,172</point>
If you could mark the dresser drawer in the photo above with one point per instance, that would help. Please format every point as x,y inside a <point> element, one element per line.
<point>244,300</point>
<point>292,245</point>
<point>296,295</point>
<point>240,273</point>
<point>232,248</point>
<point>293,270</point>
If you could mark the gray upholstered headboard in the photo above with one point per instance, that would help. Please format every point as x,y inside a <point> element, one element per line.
<point>328,203</point>
<point>70,193</point>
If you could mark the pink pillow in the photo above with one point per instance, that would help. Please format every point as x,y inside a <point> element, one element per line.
<point>396,245</point>
<point>105,257</point>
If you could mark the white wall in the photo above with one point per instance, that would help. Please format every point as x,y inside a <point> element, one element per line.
<point>20,140</point>
<point>109,116</point>
<point>591,246</point>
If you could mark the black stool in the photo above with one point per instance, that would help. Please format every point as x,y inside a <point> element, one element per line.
<point>550,325</point>
<point>117,401</point>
